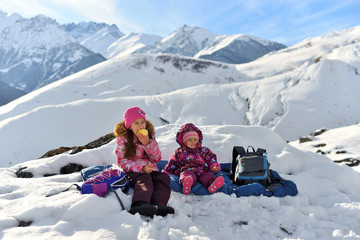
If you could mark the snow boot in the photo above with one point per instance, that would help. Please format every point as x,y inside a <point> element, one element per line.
<point>216,184</point>
<point>163,210</point>
<point>143,208</point>
<point>187,183</point>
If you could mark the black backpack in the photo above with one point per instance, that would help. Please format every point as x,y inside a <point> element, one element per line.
<point>250,167</point>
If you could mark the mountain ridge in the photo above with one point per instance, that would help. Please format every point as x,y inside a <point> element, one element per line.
<point>293,99</point>
<point>94,36</point>
<point>37,51</point>
<point>200,43</point>
<point>244,48</point>
<point>48,52</point>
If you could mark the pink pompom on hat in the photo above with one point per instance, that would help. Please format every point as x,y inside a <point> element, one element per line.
<point>132,114</point>
<point>189,135</point>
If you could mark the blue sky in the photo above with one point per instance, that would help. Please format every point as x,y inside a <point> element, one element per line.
<point>285,21</point>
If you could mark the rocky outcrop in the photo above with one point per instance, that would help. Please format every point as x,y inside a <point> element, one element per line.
<point>71,167</point>
<point>94,144</point>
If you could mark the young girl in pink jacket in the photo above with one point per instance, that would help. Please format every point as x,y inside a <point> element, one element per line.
<point>137,153</point>
<point>194,162</point>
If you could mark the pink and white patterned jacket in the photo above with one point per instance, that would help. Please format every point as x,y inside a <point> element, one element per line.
<point>197,160</point>
<point>145,155</point>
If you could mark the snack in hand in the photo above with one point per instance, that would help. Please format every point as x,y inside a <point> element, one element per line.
<point>143,132</point>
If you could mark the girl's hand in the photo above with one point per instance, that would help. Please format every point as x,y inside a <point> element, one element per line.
<point>147,169</point>
<point>215,168</point>
<point>145,140</point>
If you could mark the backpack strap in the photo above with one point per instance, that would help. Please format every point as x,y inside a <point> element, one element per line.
<point>261,151</point>
<point>118,198</point>
<point>79,189</point>
<point>236,151</point>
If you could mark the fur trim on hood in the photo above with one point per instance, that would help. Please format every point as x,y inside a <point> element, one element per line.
<point>121,131</point>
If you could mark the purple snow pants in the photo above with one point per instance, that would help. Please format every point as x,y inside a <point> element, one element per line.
<point>150,188</point>
<point>206,178</point>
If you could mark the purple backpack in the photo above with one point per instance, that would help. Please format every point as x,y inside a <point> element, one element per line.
<point>101,180</point>
<point>101,183</point>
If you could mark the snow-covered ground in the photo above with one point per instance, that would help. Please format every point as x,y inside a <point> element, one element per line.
<point>311,85</point>
<point>277,98</point>
<point>327,206</point>
<point>339,144</point>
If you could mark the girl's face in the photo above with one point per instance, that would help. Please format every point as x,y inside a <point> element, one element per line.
<point>138,124</point>
<point>191,142</point>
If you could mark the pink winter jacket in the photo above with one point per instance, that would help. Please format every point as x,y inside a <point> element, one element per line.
<point>145,155</point>
<point>198,160</point>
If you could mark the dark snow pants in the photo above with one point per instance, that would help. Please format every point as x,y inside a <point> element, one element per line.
<point>150,188</point>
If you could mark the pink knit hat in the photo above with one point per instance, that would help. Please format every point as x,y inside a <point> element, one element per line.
<point>132,114</point>
<point>189,135</point>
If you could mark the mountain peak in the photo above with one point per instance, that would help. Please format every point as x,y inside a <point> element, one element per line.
<point>186,41</point>
<point>7,19</point>
<point>194,32</point>
<point>9,15</point>
<point>40,16</point>
<point>130,43</point>
<point>44,53</point>
<point>38,32</point>
<point>242,48</point>
<point>95,36</point>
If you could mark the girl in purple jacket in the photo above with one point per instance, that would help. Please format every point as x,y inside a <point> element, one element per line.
<point>193,162</point>
<point>137,153</point>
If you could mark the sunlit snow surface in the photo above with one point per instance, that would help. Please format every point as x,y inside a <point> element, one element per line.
<point>291,93</point>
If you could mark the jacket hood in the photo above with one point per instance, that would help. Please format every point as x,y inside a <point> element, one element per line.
<point>121,131</point>
<point>186,128</point>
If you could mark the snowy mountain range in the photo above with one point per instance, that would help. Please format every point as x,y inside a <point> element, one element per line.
<point>270,102</point>
<point>186,41</point>
<point>107,39</point>
<point>37,51</point>
<point>130,43</point>
<point>294,98</point>
<point>238,48</point>
<point>95,36</point>
<point>199,43</point>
